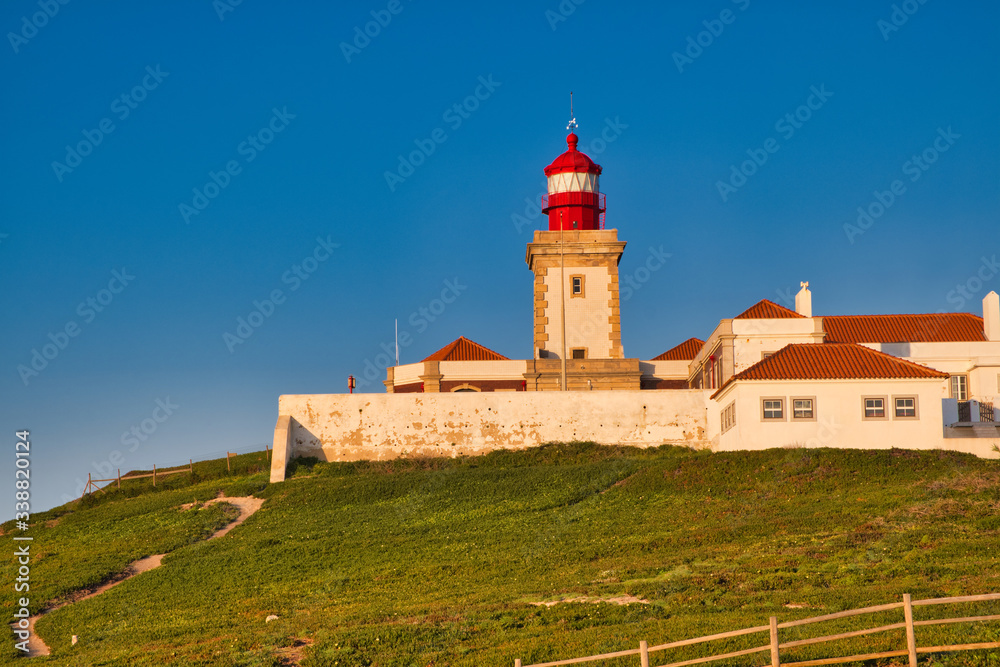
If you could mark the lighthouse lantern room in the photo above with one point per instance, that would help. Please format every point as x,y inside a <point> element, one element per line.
<point>574,199</point>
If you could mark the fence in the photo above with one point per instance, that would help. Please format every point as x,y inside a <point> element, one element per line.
<point>92,484</point>
<point>774,646</point>
<point>975,411</point>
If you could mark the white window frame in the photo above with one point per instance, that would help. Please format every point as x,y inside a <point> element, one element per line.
<point>895,407</point>
<point>763,409</point>
<point>963,379</point>
<point>728,416</point>
<point>583,286</point>
<point>885,408</point>
<point>812,408</point>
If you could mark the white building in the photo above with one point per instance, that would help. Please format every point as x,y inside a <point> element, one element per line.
<point>768,377</point>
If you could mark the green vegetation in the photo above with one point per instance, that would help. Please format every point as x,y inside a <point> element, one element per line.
<point>417,562</point>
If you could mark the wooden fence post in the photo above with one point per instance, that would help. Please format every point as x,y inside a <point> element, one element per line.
<point>154,474</point>
<point>119,479</point>
<point>775,658</point>
<point>517,662</point>
<point>228,468</point>
<point>643,653</point>
<point>911,639</point>
<point>191,465</point>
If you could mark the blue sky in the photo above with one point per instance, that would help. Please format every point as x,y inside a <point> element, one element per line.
<point>181,164</point>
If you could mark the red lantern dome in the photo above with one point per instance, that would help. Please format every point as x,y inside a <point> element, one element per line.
<point>574,200</point>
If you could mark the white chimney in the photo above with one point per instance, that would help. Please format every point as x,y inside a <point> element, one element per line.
<point>991,316</point>
<point>804,301</point>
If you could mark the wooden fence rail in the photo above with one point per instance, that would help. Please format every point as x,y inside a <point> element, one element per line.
<point>774,646</point>
<point>92,484</point>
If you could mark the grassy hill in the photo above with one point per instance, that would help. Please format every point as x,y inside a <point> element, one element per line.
<point>419,562</point>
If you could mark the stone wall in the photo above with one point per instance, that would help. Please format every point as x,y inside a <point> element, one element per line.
<point>345,427</point>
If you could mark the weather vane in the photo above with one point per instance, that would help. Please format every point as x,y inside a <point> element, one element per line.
<point>572,119</point>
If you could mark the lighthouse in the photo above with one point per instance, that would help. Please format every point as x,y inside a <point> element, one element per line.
<point>577,320</point>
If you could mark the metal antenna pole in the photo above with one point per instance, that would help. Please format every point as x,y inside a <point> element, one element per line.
<point>571,125</point>
<point>562,296</point>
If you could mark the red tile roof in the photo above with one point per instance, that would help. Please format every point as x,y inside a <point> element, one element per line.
<point>928,328</point>
<point>686,351</point>
<point>766,310</point>
<point>833,361</point>
<point>464,349</point>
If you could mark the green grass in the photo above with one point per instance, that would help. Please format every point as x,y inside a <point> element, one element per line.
<point>417,562</point>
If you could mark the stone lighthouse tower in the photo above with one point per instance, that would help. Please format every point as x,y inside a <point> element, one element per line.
<point>576,305</point>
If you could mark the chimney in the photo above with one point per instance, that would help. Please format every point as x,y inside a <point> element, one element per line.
<point>991,316</point>
<point>804,301</point>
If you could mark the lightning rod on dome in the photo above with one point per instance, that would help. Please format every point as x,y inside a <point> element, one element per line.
<point>572,125</point>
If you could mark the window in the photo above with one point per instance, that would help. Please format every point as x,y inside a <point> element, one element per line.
<point>960,387</point>
<point>714,368</point>
<point>773,409</point>
<point>874,407</point>
<point>905,407</point>
<point>729,417</point>
<point>803,409</point>
<point>579,353</point>
<point>576,286</point>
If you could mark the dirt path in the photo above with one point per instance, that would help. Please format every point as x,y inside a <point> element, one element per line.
<point>247,504</point>
<point>620,600</point>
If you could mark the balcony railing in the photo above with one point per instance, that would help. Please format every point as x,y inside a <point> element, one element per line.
<point>578,199</point>
<point>976,411</point>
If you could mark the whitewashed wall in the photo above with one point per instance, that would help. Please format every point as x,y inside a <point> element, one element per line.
<point>839,417</point>
<point>342,427</point>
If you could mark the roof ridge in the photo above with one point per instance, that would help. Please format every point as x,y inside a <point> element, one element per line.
<point>477,349</point>
<point>973,315</point>
<point>680,349</point>
<point>770,311</point>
